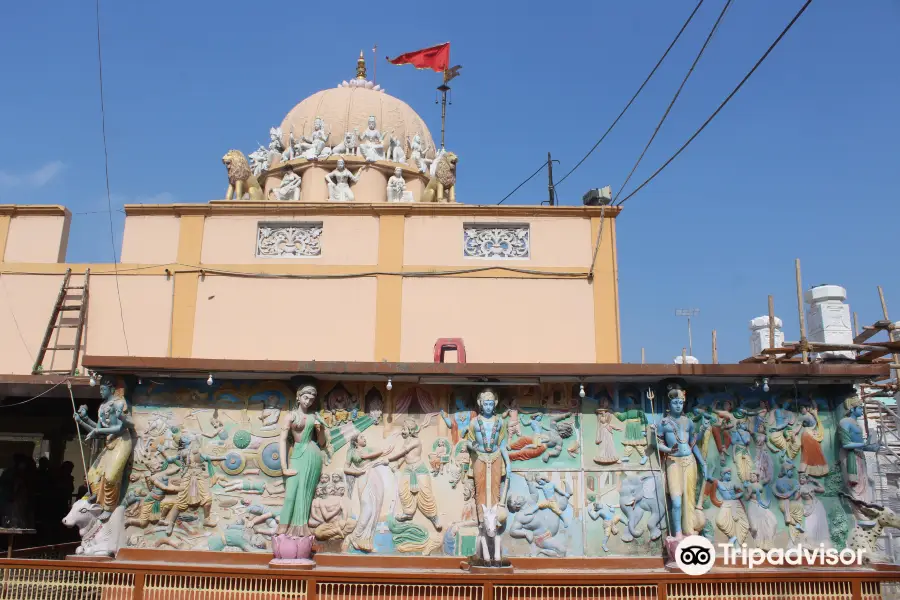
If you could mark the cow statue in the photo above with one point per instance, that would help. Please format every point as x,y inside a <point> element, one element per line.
<point>488,542</point>
<point>98,538</point>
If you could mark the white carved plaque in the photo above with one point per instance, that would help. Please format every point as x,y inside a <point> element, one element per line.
<point>289,240</point>
<point>497,240</point>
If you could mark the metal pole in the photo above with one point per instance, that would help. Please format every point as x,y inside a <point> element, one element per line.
<point>443,89</point>
<point>891,337</point>
<point>715,349</point>
<point>690,338</point>
<point>855,325</point>
<point>642,356</point>
<point>803,342</point>
<point>771,322</point>
<point>550,179</point>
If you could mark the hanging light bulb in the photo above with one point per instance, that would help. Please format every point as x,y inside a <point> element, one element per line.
<point>209,380</point>
<point>765,384</point>
<point>93,381</point>
<point>581,391</point>
<point>389,385</point>
<point>140,381</point>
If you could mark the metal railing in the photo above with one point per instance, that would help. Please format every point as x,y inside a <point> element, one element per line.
<point>75,580</point>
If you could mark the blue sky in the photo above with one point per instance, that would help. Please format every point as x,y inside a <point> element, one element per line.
<point>801,164</point>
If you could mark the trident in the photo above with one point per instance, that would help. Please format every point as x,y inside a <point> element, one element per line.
<point>650,396</point>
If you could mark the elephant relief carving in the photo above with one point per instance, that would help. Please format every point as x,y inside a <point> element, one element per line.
<point>639,496</point>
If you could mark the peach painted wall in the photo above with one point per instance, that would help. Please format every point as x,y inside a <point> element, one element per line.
<point>150,240</point>
<point>350,240</point>
<point>555,242</point>
<point>497,318</point>
<point>289,319</point>
<point>25,305</point>
<point>37,239</point>
<point>147,310</point>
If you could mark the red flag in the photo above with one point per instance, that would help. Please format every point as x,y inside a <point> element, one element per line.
<point>436,58</point>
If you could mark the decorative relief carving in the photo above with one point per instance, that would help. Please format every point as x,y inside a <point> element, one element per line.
<point>496,240</point>
<point>279,240</point>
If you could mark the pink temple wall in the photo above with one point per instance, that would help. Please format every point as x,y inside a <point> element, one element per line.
<point>322,319</point>
<point>497,318</point>
<point>297,319</point>
<point>346,240</point>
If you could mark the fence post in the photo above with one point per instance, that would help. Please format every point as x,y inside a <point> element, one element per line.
<point>662,591</point>
<point>138,592</point>
<point>311,589</point>
<point>488,591</point>
<point>856,589</point>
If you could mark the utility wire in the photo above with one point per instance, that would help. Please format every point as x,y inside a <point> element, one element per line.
<point>112,236</point>
<point>636,94</point>
<point>530,177</point>
<point>722,105</point>
<point>684,81</point>
<point>44,393</point>
<point>12,313</point>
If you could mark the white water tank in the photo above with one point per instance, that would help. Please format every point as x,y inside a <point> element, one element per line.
<point>759,334</point>
<point>828,319</point>
<point>687,360</point>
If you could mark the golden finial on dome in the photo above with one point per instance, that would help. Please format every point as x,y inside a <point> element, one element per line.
<point>361,66</point>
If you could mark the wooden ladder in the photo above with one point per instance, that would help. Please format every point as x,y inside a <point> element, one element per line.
<point>56,323</point>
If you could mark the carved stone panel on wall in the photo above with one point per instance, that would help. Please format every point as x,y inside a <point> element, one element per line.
<point>286,240</point>
<point>496,240</point>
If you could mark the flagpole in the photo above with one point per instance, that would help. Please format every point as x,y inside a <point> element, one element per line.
<point>443,89</point>
<point>375,63</point>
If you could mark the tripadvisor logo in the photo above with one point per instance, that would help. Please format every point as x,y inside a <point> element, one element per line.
<point>696,555</point>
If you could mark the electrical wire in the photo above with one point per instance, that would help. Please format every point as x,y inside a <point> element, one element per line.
<point>530,177</point>
<point>636,94</point>
<point>684,81</point>
<point>722,105</point>
<point>195,269</point>
<point>77,428</point>
<point>448,272</point>
<point>590,275</point>
<point>112,236</point>
<point>44,393</point>
<point>15,320</point>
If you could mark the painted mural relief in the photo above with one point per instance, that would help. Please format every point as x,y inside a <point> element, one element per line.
<point>532,471</point>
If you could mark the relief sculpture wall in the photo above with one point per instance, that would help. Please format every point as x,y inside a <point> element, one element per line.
<point>413,470</point>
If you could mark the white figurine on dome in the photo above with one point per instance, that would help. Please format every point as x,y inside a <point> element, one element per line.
<point>339,183</point>
<point>395,151</point>
<point>417,153</point>
<point>396,188</point>
<point>276,146</point>
<point>289,188</point>
<point>350,145</point>
<point>291,152</point>
<point>315,146</point>
<point>259,161</point>
<point>372,144</point>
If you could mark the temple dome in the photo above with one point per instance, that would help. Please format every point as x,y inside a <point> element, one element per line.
<point>349,106</point>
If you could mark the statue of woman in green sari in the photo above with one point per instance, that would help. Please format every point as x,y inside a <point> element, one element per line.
<point>301,468</point>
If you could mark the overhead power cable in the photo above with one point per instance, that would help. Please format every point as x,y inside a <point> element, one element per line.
<point>722,105</point>
<point>684,81</point>
<point>530,177</point>
<point>636,94</point>
<point>112,236</point>
<point>41,395</point>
